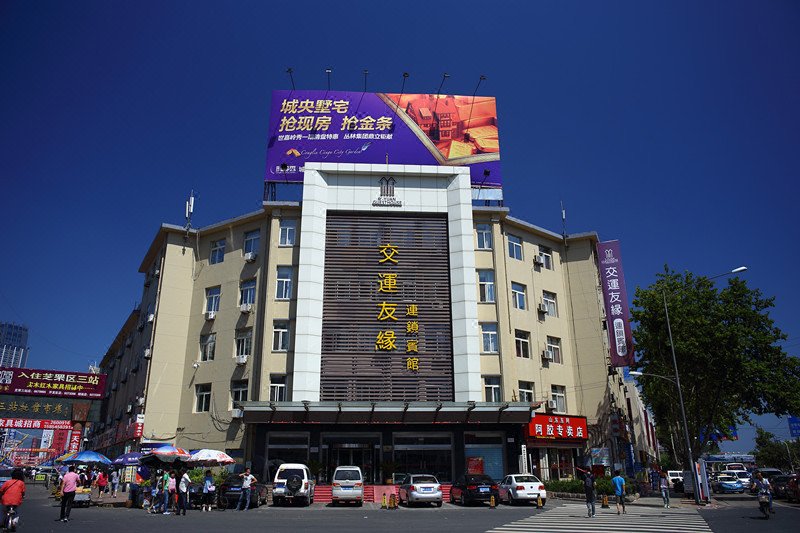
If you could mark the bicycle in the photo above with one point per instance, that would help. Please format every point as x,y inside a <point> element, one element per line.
<point>222,501</point>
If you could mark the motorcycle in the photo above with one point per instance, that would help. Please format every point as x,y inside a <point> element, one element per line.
<point>10,518</point>
<point>763,504</point>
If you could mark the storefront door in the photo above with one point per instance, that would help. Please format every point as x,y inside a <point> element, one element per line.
<point>362,451</point>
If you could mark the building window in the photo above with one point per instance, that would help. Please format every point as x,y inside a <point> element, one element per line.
<point>554,349</point>
<point>549,300</point>
<point>515,247</point>
<point>284,287</point>
<point>280,336</point>
<point>491,388</point>
<point>212,299</point>
<point>484,236</point>
<point>522,340</point>
<point>559,395</point>
<point>518,295</point>
<point>547,257</point>
<point>217,252</point>
<point>238,392</point>
<point>277,388</point>
<point>486,286</point>
<point>208,344</point>
<point>251,242</point>
<point>244,342</point>
<point>288,232</point>
<point>203,395</point>
<point>489,335</point>
<point>526,391</point>
<point>247,292</point>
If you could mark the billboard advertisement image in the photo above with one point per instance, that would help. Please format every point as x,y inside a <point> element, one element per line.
<point>615,297</point>
<point>52,383</point>
<point>408,129</point>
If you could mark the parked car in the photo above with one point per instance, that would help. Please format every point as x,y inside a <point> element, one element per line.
<point>420,488</point>
<point>673,476</point>
<point>231,488</point>
<point>474,488</point>
<point>348,485</point>
<point>521,488</point>
<point>293,483</point>
<point>780,485</point>
<point>742,475</point>
<point>793,489</point>
<point>726,484</point>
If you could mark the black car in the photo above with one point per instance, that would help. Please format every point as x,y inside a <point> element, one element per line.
<point>474,488</point>
<point>231,490</point>
<point>780,485</point>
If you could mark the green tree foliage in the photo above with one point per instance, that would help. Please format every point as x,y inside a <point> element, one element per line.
<point>770,452</point>
<point>728,358</point>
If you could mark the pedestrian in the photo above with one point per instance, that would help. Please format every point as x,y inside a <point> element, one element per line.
<point>156,497</point>
<point>13,492</point>
<point>588,487</point>
<point>172,487</point>
<point>208,491</point>
<point>68,487</point>
<point>102,483</point>
<point>618,482</point>
<point>165,491</point>
<point>183,492</point>
<point>247,480</point>
<point>664,485</point>
<point>114,483</point>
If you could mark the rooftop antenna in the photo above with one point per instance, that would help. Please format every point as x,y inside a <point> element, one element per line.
<point>289,71</point>
<point>471,105</point>
<point>563,223</point>
<point>365,79</point>
<point>188,213</point>
<point>328,72</point>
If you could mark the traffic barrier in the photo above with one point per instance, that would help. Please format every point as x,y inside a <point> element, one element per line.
<point>383,502</point>
<point>539,501</point>
<point>605,502</point>
<point>392,502</point>
<point>491,502</point>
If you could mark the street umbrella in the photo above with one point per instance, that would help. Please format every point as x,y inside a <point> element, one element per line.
<point>88,457</point>
<point>207,457</point>
<point>128,459</point>
<point>165,454</point>
<point>68,455</point>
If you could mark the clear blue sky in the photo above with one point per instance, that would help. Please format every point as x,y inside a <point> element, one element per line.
<point>683,114</point>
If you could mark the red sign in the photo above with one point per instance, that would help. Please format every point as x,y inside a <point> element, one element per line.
<point>27,423</point>
<point>74,441</point>
<point>60,440</point>
<point>552,427</point>
<point>475,465</point>
<point>53,383</point>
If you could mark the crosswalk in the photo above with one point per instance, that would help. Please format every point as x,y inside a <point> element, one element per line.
<point>571,518</point>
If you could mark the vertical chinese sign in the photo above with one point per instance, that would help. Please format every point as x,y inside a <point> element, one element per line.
<point>615,297</point>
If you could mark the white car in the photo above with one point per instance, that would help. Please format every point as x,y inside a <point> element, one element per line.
<point>741,475</point>
<point>293,483</point>
<point>673,476</point>
<point>420,488</point>
<point>348,485</point>
<point>521,488</point>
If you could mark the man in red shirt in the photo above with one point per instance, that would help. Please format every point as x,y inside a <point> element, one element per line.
<point>13,492</point>
<point>68,486</point>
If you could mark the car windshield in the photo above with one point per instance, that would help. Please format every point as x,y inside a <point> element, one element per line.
<point>347,475</point>
<point>479,479</point>
<point>526,479</point>
<point>674,473</point>
<point>423,479</point>
<point>727,478</point>
<point>289,472</point>
<point>742,475</point>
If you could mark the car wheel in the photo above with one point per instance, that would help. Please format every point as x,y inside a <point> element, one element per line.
<point>452,498</point>
<point>462,501</point>
<point>359,503</point>
<point>438,504</point>
<point>334,503</point>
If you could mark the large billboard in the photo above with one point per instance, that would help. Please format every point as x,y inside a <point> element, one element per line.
<point>408,129</point>
<point>52,383</point>
<point>615,297</point>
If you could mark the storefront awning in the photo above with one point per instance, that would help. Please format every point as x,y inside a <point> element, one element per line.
<point>387,412</point>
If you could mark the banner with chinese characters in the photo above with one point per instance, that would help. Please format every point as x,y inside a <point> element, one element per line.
<point>615,297</point>
<point>27,423</point>
<point>53,383</point>
<point>48,408</point>
<point>558,428</point>
<point>408,129</point>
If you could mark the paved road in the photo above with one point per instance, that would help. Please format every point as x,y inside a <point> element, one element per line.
<point>736,513</point>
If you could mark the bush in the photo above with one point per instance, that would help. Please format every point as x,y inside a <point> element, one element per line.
<point>575,486</point>
<point>571,486</point>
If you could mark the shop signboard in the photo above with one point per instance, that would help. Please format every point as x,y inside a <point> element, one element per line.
<point>27,423</point>
<point>601,456</point>
<point>49,408</point>
<point>615,298</point>
<point>558,427</point>
<point>475,465</point>
<point>52,383</point>
<point>381,128</point>
<point>794,426</point>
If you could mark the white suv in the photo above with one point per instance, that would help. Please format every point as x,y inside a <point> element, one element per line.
<point>293,482</point>
<point>348,485</point>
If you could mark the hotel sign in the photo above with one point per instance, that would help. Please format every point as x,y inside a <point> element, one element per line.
<point>387,199</point>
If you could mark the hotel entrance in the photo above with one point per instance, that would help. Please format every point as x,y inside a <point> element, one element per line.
<point>361,450</point>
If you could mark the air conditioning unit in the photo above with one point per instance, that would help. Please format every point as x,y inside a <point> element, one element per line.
<point>151,317</point>
<point>156,273</point>
<point>547,354</point>
<point>552,405</point>
<point>543,308</point>
<point>129,409</point>
<point>147,353</point>
<point>241,359</point>
<point>237,413</point>
<point>250,257</point>
<point>211,315</point>
<point>246,308</point>
<point>538,260</point>
<point>140,401</point>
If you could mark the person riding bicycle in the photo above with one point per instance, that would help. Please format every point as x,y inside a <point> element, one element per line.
<point>13,492</point>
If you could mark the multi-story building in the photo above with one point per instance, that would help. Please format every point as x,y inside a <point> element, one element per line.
<point>386,320</point>
<point>13,345</point>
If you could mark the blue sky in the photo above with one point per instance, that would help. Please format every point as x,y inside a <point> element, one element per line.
<point>682,117</point>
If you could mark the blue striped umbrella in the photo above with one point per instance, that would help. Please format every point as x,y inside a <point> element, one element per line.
<point>88,457</point>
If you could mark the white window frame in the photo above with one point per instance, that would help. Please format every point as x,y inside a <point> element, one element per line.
<point>244,342</point>
<point>280,336</point>
<point>522,342</point>
<point>492,389</point>
<point>247,291</point>
<point>283,285</point>
<point>288,232</point>
<point>559,394</point>
<point>518,291</point>
<point>486,288</point>
<point>515,247</point>
<point>217,253</point>
<point>550,299</point>
<point>208,346</point>
<point>527,391</point>
<point>277,390</point>
<point>484,234</point>
<point>239,391</point>
<point>490,342</point>
<point>547,257</point>
<point>213,295</point>
<point>252,241</point>
<point>554,349</point>
<point>202,395</point>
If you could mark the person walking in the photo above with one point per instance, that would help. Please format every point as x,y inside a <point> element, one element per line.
<point>618,482</point>
<point>13,492</point>
<point>589,488</point>
<point>114,483</point>
<point>247,480</point>
<point>183,492</point>
<point>165,492</point>
<point>68,487</point>
<point>208,491</point>
<point>664,485</point>
<point>102,483</point>
<point>172,491</point>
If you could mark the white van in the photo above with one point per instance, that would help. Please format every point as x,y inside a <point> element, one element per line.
<point>673,476</point>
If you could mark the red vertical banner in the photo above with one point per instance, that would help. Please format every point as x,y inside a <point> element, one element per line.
<point>60,439</point>
<point>75,439</point>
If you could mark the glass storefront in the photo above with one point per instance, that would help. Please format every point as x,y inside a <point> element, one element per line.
<point>554,463</point>
<point>424,453</point>
<point>362,450</point>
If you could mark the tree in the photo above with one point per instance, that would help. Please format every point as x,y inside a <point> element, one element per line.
<point>727,354</point>
<point>771,452</point>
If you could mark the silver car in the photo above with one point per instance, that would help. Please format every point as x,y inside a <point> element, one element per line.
<point>348,485</point>
<point>521,488</point>
<point>420,488</point>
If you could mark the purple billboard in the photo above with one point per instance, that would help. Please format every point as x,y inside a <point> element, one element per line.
<point>408,129</point>
<point>615,297</point>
